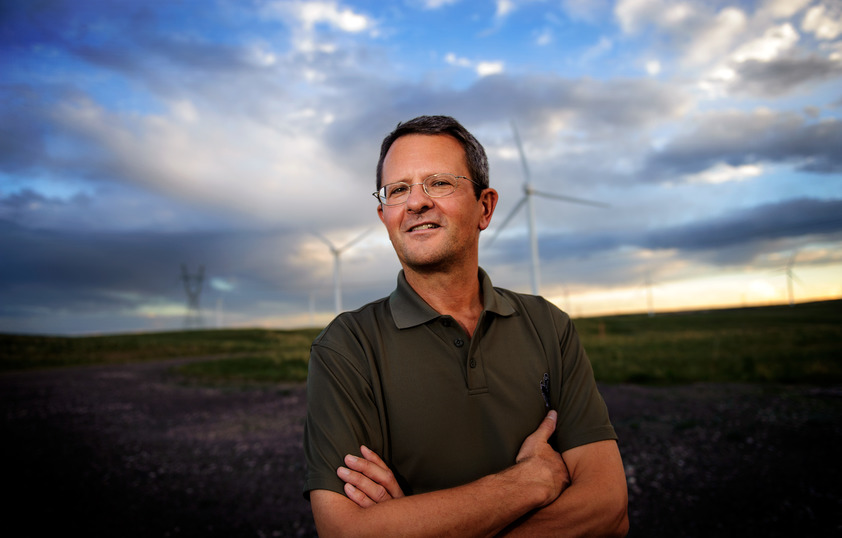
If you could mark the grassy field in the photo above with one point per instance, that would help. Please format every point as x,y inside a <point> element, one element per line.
<point>781,344</point>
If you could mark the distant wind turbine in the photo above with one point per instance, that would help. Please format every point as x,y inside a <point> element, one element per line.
<point>337,252</point>
<point>650,301</point>
<point>528,194</point>
<point>790,276</point>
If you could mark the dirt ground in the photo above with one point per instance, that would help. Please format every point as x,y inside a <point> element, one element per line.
<point>131,451</point>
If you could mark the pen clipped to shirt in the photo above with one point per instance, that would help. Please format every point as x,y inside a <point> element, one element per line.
<point>545,390</point>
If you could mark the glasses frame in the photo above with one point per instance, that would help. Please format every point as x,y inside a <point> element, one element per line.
<point>423,186</point>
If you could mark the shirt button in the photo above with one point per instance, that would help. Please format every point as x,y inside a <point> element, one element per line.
<point>458,342</point>
<point>473,363</point>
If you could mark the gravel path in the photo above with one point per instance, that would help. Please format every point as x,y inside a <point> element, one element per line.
<point>131,451</point>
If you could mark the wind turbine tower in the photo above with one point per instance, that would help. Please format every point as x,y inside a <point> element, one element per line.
<point>528,200</point>
<point>790,276</point>
<point>337,277</point>
<point>193,289</point>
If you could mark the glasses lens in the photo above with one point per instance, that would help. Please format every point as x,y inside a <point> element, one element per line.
<point>440,184</point>
<point>394,193</point>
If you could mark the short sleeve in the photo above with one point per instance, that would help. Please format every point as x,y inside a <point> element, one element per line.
<point>583,415</point>
<point>341,415</point>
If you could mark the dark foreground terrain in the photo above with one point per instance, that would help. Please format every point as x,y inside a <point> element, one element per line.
<point>132,451</point>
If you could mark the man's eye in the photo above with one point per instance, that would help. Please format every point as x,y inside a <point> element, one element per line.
<point>397,189</point>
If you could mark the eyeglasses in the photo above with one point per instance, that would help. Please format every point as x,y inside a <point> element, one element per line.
<point>435,186</point>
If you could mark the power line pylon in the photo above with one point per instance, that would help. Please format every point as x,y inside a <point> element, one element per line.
<point>193,288</point>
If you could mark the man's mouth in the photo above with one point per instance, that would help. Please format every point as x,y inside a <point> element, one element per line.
<point>426,226</point>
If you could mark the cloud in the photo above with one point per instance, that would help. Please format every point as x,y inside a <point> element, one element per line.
<point>586,10</point>
<point>824,21</point>
<point>782,9</point>
<point>782,75</point>
<point>723,173</point>
<point>733,236</point>
<point>482,68</point>
<point>635,15</point>
<point>772,44</point>
<point>504,8</point>
<point>791,218</point>
<point>738,139</point>
<point>311,14</point>
<point>436,4</point>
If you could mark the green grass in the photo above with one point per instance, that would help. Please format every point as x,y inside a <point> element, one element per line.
<point>21,352</point>
<point>779,344</point>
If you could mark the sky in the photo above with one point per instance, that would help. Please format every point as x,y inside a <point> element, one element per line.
<point>141,141</point>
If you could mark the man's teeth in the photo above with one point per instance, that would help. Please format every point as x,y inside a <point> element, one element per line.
<point>424,227</point>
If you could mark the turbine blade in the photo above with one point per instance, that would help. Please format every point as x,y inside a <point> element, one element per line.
<point>526,175</point>
<point>506,220</point>
<point>324,240</point>
<point>355,240</point>
<point>570,199</point>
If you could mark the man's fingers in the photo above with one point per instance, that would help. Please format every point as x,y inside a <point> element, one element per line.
<point>366,477</point>
<point>358,496</point>
<point>384,476</point>
<point>533,444</point>
<point>547,427</point>
<point>383,485</point>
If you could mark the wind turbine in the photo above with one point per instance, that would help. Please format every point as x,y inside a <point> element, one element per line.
<point>790,276</point>
<point>337,252</point>
<point>528,194</point>
<point>650,301</point>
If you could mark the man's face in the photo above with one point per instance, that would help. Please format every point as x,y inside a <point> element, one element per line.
<point>433,233</point>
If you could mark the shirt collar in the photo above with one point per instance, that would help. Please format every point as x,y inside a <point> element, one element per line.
<point>410,310</point>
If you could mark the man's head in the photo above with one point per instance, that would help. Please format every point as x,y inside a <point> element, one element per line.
<point>430,231</point>
<point>475,157</point>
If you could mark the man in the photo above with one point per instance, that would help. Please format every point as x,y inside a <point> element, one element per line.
<point>453,407</point>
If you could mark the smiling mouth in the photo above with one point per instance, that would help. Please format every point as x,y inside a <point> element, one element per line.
<point>420,227</point>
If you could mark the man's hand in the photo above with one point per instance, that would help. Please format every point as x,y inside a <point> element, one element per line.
<point>368,480</point>
<point>546,466</point>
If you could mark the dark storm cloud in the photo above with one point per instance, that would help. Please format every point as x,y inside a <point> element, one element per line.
<point>738,138</point>
<point>782,75</point>
<point>742,228</point>
<point>82,269</point>
<point>788,219</point>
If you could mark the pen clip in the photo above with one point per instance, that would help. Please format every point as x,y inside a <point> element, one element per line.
<point>545,389</point>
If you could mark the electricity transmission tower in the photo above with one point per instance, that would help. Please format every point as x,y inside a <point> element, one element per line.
<point>193,288</point>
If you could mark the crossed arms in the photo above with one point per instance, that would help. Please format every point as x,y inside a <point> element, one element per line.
<point>579,492</point>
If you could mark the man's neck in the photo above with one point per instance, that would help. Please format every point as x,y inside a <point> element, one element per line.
<point>455,293</point>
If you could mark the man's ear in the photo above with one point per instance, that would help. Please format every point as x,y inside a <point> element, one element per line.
<point>380,213</point>
<point>488,201</point>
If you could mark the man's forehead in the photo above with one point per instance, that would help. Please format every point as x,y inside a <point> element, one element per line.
<point>422,152</point>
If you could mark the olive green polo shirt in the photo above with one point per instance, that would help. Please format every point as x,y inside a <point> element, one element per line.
<point>440,408</point>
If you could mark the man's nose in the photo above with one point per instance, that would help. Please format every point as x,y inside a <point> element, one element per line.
<point>418,198</point>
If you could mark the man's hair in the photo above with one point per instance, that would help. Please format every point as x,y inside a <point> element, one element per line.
<point>475,156</point>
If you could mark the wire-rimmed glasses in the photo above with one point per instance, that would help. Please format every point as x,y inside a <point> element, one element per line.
<point>436,186</point>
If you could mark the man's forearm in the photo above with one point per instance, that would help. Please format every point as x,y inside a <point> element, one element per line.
<point>482,508</point>
<point>575,513</point>
<point>595,504</point>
